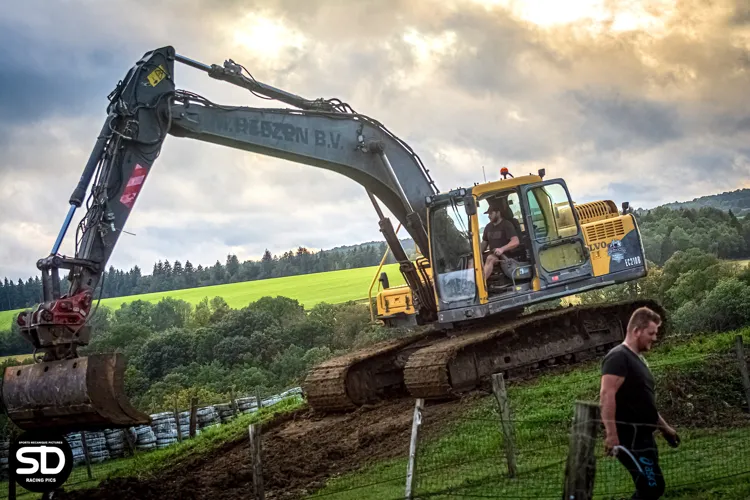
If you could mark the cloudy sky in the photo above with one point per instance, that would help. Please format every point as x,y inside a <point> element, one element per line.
<point>629,100</point>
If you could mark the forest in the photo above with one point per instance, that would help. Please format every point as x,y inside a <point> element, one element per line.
<point>176,351</point>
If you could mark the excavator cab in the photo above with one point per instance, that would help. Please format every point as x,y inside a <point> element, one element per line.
<point>552,256</point>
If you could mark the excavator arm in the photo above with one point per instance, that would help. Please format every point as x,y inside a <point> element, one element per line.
<point>67,392</point>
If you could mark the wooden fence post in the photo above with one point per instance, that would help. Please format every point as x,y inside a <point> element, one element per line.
<point>743,368</point>
<point>177,421</point>
<point>498,388</point>
<point>129,441</point>
<point>580,470</point>
<point>233,401</point>
<point>410,470</point>
<point>257,464</point>
<point>86,453</point>
<point>193,416</point>
<point>258,399</point>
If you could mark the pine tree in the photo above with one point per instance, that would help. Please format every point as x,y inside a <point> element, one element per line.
<point>233,265</point>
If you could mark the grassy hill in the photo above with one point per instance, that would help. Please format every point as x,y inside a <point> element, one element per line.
<point>308,289</point>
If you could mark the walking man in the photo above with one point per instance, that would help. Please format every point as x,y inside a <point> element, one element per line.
<point>628,406</point>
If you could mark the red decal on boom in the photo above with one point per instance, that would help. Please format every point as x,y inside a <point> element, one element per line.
<point>133,187</point>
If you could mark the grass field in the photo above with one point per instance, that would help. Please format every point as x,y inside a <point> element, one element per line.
<point>308,289</point>
<point>19,357</point>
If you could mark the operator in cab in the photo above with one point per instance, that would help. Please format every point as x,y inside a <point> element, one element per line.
<point>500,237</point>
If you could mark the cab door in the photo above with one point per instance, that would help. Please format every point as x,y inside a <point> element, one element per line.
<point>555,234</point>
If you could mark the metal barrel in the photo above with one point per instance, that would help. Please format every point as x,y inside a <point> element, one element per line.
<point>84,393</point>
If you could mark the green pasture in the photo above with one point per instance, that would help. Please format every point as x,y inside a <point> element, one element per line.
<point>309,289</point>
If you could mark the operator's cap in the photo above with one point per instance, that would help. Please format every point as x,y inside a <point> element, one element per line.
<point>493,208</point>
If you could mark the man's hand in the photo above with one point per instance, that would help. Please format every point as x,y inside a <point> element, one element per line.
<point>671,436</point>
<point>498,252</point>
<point>669,433</point>
<point>610,441</point>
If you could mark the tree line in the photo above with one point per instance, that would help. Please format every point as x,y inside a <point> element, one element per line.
<point>665,231</point>
<point>167,276</point>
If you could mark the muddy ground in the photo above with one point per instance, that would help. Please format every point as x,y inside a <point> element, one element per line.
<point>300,451</point>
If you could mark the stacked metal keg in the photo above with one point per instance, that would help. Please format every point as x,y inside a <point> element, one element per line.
<point>145,438</point>
<point>115,442</point>
<point>247,405</point>
<point>185,425</point>
<point>208,417</point>
<point>165,429</point>
<point>225,411</point>
<point>4,452</point>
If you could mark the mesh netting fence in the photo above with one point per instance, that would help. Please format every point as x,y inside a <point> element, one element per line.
<point>480,455</point>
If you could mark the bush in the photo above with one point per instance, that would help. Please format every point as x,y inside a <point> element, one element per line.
<point>725,307</point>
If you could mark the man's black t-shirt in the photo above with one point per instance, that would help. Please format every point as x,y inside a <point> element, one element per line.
<point>636,399</point>
<point>499,235</point>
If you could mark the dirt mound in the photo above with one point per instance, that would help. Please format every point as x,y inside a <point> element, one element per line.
<point>300,451</point>
<point>705,393</point>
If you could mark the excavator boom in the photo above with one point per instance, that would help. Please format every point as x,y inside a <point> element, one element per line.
<point>66,391</point>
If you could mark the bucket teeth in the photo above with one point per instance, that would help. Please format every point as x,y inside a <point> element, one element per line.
<point>76,394</point>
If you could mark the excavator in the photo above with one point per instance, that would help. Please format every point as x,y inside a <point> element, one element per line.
<point>468,326</point>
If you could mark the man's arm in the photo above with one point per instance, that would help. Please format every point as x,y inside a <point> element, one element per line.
<point>667,431</point>
<point>609,387</point>
<point>514,242</point>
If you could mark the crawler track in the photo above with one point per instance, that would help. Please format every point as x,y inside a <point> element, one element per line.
<point>521,347</point>
<point>364,376</point>
<point>436,364</point>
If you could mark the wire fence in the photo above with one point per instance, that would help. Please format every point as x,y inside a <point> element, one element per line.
<point>483,455</point>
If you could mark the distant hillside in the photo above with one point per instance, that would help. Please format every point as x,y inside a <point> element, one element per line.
<point>407,243</point>
<point>737,201</point>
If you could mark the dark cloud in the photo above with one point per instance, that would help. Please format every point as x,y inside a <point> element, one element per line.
<point>617,122</point>
<point>43,76</point>
<point>741,13</point>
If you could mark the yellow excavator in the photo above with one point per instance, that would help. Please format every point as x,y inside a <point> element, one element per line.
<point>470,325</point>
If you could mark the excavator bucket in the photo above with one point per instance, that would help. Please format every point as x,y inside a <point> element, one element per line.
<point>70,395</point>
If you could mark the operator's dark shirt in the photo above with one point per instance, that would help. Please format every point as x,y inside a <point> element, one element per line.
<point>499,235</point>
<point>636,398</point>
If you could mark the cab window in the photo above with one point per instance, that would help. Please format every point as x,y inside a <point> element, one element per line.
<point>551,213</point>
<point>514,205</point>
<point>553,219</point>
